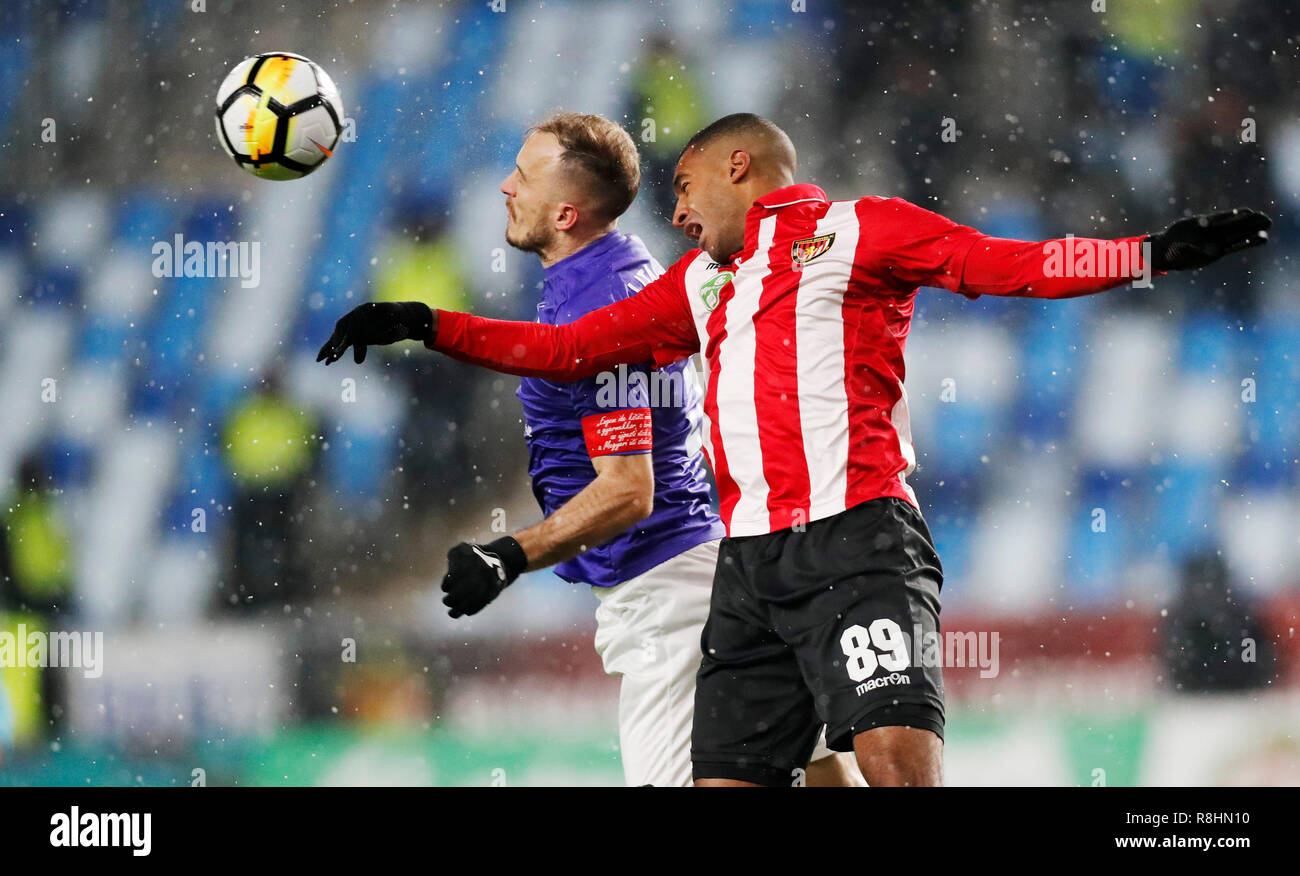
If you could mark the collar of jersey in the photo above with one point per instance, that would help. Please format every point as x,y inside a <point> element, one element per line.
<point>595,248</point>
<point>556,289</point>
<point>799,193</point>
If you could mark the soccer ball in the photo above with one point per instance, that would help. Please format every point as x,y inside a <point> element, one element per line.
<point>279,115</point>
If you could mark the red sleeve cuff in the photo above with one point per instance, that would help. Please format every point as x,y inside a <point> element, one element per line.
<point>446,326</point>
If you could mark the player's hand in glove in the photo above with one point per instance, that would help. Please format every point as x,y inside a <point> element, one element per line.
<point>377,323</point>
<point>476,574</point>
<point>1197,241</point>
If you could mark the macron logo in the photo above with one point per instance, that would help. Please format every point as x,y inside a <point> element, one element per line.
<point>77,829</point>
<point>492,561</point>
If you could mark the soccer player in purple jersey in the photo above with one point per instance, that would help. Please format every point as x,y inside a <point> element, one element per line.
<point>615,459</point>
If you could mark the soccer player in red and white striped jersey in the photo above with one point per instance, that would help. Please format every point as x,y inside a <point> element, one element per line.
<point>801,308</point>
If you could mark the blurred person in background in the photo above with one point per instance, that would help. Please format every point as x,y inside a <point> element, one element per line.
<point>617,470</point>
<point>6,719</point>
<point>897,85</point>
<point>1215,639</point>
<point>668,105</point>
<point>419,261</point>
<point>6,710</point>
<point>36,554</point>
<point>35,590</point>
<point>269,450</point>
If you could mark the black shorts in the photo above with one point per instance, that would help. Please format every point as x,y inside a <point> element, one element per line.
<point>817,627</point>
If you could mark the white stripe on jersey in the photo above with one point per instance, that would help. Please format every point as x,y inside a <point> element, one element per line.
<point>697,274</point>
<point>819,346</point>
<point>738,426</point>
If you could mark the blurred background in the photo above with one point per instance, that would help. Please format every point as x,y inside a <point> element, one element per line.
<point>1112,481</point>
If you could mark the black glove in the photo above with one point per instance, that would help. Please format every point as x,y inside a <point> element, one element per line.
<point>1197,241</point>
<point>377,323</point>
<point>476,574</point>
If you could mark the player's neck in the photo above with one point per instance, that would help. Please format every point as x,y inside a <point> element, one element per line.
<point>567,244</point>
<point>761,186</point>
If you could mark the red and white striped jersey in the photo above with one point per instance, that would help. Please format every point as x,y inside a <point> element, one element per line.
<point>802,335</point>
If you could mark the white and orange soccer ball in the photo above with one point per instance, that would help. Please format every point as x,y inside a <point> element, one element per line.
<point>279,115</point>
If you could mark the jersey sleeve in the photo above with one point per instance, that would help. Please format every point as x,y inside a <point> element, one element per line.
<point>911,246</point>
<point>654,325</point>
<point>614,407</point>
<point>1063,268</point>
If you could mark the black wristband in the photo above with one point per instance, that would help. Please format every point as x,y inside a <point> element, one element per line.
<point>1159,262</point>
<point>512,555</point>
<point>418,319</point>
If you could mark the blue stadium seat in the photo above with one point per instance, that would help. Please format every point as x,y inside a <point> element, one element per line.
<point>143,218</point>
<point>201,482</point>
<point>55,287</point>
<point>68,462</point>
<point>1050,369</point>
<point>102,340</point>
<point>952,523</point>
<point>1129,80</point>
<point>1271,357</point>
<point>15,55</point>
<point>15,227</point>
<point>1207,345</point>
<point>961,434</point>
<point>1098,558</point>
<point>1185,498</point>
<point>359,460</point>
<point>180,319</point>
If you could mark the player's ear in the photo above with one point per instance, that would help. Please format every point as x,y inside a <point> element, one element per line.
<point>566,217</point>
<point>737,165</point>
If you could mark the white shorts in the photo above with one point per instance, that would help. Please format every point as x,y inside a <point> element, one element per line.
<point>648,633</point>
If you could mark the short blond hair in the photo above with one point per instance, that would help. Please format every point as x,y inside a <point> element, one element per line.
<point>602,157</point>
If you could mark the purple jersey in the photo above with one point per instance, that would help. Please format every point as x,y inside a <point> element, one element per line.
<point>567,423</point>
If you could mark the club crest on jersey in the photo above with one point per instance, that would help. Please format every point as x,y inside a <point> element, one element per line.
<point>804,251</point>
<point>711,291</point>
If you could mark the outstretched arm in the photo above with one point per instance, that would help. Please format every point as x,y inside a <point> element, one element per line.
<point>1064,268</point>
<point>913,247</point>
<point>653,325</point>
